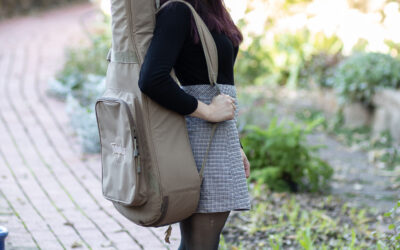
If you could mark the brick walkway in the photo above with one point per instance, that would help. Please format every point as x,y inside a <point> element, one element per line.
<point>50,195</point>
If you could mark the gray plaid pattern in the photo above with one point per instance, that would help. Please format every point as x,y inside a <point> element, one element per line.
<point>224,185</point>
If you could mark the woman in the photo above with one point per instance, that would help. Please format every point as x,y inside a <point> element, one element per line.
<point>176,44</point>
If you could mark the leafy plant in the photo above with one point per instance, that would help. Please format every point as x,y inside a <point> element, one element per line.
<point>254,64</point>
<point>281,60</point>
<point>319,70</point>
<point>304,238</point>
<point>80,64</point>
<point>281,158</point>
<point>88,60</point>
<point>275,242</point>
<point>358,77</point>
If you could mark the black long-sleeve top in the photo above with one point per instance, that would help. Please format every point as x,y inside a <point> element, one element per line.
<point>172,46</point>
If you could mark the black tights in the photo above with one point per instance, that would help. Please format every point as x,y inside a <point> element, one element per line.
<point>202,231</point>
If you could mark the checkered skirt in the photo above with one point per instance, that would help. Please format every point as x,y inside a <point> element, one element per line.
<point>224,186</point>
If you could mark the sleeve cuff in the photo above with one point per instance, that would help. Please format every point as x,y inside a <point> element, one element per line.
<point>191,107</point>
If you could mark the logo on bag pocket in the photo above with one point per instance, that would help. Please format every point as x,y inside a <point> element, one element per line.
<point>118,149</point>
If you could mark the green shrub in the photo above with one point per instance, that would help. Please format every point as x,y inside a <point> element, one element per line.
<point>254,65</point>
<point>276,62</point>
<point>89,60</point>
<point>281,60</point>
<point>358,77</point>
<point>81,63</point>
<point>319,70</point>
<point>281,158</point>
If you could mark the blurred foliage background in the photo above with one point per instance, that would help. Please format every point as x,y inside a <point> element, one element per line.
<point>288,42</point>
<point>350,48</point>
<point>9,8</point>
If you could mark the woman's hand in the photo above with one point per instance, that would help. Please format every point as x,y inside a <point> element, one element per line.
<point>246,163</point>
<point>221,108</point>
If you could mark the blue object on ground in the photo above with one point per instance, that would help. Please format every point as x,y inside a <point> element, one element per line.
<point>3,235</point>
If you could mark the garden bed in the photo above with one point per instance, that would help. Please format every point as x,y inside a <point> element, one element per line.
<point>304,221</point>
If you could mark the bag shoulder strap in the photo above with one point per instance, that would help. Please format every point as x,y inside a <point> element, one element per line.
<point>211,55</point>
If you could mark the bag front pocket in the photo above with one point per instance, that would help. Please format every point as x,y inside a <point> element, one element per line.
<point>120,158</point>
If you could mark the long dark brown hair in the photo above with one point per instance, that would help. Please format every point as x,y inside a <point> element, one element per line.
<point>216,17</point>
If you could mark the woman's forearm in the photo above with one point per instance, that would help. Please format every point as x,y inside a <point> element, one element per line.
<point>202,111</point>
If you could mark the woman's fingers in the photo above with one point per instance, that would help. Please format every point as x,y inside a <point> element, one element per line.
<point>246,163</point>
<point>231,99</point>
<point>247,168</point>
